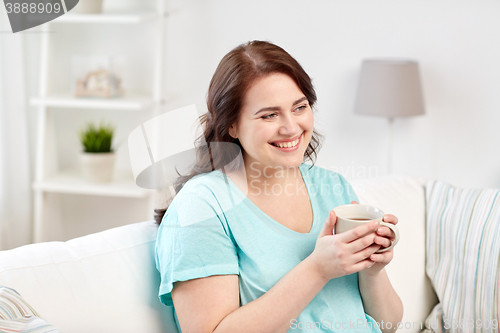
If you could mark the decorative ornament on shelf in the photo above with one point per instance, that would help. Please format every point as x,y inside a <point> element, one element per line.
<point>98,76</point>
<point>98,157</point>
<point>100,83</point>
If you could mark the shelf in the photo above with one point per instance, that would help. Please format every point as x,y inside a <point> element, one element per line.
<point>56,104</point>
<point>123,185</point>
<point>132,103</point>
<point>112,17</point>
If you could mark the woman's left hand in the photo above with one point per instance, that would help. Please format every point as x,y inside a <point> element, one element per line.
<point>385,237</point>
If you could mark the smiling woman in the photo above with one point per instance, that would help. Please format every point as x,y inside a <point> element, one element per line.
<point>251,254</point>
<point>239,71</point>
<point>283,123</point>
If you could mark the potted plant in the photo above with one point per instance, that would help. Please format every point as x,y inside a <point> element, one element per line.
<point>97,157</point>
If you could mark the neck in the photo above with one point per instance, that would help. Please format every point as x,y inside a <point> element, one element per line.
<point>261,176</point>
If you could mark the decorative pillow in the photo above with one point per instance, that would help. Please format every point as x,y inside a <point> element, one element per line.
<point>434,323</point>
<point>463,257</point>
<point>18,316</point>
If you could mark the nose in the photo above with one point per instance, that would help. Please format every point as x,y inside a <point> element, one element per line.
<point>288,125</point>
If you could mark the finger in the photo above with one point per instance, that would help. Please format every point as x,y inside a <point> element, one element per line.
<point>389,218</point>
<point>386,232</point>
<point>359,266</point>
<point>382,241</point>
<point>366,253</point>
<point>377,257</point>
<point>361,243</point>
<point>328,225</point>
<point>355,233</point>
<point>382,257</point>
<point>354,203</point>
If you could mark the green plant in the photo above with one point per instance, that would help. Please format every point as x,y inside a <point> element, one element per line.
<point>97,139</point>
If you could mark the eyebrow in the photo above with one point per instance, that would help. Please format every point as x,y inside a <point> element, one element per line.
<point>277,108</point>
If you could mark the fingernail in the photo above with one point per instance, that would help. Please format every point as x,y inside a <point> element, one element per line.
<point>375,224</point>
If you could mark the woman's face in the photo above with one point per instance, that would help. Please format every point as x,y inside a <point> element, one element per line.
<point>275,124</point>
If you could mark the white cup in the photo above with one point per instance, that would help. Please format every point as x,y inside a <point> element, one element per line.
<point>353,215</point>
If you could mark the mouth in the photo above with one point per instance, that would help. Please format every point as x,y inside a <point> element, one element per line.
<point>288,145</point>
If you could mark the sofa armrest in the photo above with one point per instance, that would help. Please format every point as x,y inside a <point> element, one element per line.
<point>103,282</point>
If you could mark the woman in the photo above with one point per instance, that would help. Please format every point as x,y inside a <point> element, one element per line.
<point>243,248</point>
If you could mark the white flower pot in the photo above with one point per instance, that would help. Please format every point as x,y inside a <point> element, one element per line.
<point>98,167</point>
<point>88,7</point>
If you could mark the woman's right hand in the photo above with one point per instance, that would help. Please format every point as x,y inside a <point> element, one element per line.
<point>345,253</point>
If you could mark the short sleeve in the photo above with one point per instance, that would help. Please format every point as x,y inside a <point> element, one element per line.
<point>193,241</point>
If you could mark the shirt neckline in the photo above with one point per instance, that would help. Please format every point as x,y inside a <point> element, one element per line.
<point>273,222</point>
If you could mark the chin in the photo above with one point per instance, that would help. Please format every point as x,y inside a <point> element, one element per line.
<point>289,163</point>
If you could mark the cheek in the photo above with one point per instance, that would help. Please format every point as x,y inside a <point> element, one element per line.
<point>263,131</point>
<point>308,125</point>
<point>254,136</point>
<point>308,122</point>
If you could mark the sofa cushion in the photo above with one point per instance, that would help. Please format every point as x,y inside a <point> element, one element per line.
<point>463,254</point>
<point>104,282</point>
<point>404,197</point>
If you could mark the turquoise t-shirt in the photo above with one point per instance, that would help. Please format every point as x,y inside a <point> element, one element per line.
<point>212,228</point>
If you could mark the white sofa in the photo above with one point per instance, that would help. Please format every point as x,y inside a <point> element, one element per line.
<point>107,282</point>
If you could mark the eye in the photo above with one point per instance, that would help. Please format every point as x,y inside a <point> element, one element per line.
<point>301,108</point>
<point>269,116</point>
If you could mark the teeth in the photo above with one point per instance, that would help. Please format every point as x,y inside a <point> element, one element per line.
<point>287,144</point>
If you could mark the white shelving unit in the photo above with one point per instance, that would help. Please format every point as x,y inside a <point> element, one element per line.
<point>131,103</point>
<point>50,178</point>
<point>108,18</point>
<point>70,181</point>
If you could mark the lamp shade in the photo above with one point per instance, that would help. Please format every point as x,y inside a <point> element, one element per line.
<point>389,88</point>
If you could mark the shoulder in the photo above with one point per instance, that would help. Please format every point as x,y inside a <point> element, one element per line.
<point>205,195</point>
<point>207,186</point>
<point>204,183</point>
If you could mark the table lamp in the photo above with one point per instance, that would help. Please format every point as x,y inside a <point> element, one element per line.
<point>389,88</point>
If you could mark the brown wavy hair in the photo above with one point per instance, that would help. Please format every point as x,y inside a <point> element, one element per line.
<point>232,78</point>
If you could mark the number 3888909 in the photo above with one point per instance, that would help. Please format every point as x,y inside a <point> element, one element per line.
<point>32,7</point>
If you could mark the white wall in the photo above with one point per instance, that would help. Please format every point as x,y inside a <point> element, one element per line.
<point>455,42</point>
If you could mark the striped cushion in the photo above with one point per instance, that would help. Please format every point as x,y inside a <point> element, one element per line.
<point>434,323</point>
<point>18,316</point>
<point>463,255</point>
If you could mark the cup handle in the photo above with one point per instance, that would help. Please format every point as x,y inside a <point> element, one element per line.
<point>396,232</point>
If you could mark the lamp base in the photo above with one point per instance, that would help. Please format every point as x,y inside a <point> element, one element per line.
<point>390,135</point>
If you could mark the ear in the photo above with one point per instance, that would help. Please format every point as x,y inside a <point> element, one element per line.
<point>233,132</point>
